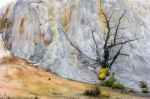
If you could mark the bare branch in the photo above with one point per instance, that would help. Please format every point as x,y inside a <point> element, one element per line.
<point>75,46</point>
<point>122,28</point>
<point>115,57</point>
<point>121,43</point>
<point>120,38</point>
<point>108,33</point>
<point>97,50</point>
<point>116,30</point>
<point>109,19</point>
<point>124,54</point>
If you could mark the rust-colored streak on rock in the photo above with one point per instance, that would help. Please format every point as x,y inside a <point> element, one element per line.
<point>67,13</point>
<point>2,22</point>
<point>4,16</point>
<point>47,42</point>
<point>22,26</point>
<point>44,40</point>
<point>8,9</point>
<point>102,18</point>
<point>42,34</point>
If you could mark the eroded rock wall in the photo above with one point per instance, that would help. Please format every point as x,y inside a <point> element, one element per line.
<point>36,36</point>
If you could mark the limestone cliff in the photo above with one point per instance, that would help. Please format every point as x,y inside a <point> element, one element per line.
<point>34,35</point>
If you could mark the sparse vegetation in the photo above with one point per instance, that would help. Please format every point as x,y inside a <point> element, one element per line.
<point>93,91</point>
<point>143,84</point>
<point>144,87</point>
<point>131,91</point>
<point>118,86</point>
<point>108,83</point>
<point>145,90</point>
<point>111,82</point>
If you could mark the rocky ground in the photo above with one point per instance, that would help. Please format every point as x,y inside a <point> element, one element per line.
<point>18,80</point>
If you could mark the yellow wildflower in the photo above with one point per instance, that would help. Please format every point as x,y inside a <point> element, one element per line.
<point>103,70</point>
<point>102,76</point>
<point>103,73</point>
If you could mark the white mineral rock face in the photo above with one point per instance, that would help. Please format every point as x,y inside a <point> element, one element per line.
<point>36,36</point>
<point>4,2</point>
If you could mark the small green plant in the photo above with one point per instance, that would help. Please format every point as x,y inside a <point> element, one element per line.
<point>143,84</point>
<point>145,90</point>
<point>108,82</point>
<point>144,87</point>
<point>93,91</point>
<point>118,86</point>
<point>111,82</point>
<point>131,91</point>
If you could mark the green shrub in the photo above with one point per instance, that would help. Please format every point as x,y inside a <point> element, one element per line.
<point>111,83</point>
<point>93,91</point>
<point>145,90</point>
<point>144,87</point>
<point>118,86</point>
<point>108,83</point>
<point>132,91</point>
<point>143,84</point>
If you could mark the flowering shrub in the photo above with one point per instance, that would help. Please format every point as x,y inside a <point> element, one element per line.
<point>103,73</point>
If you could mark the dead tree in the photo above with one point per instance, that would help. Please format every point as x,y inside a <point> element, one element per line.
<point>112,41</point>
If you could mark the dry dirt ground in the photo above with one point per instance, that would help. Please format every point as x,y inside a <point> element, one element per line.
<point>18,80</point>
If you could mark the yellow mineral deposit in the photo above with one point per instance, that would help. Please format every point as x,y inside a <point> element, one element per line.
<point>102,18</point>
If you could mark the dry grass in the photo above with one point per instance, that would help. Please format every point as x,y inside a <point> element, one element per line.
<point>93,91</point>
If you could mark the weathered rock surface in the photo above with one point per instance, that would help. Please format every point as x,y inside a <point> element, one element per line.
<point>4,52</point>
<point>35,36</point>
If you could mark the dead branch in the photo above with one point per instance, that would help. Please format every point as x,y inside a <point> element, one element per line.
<point>117,28</point>
<point>115,57</point>
<point>121,43</point>
<point>97,49</point>
<point>76,47</point>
